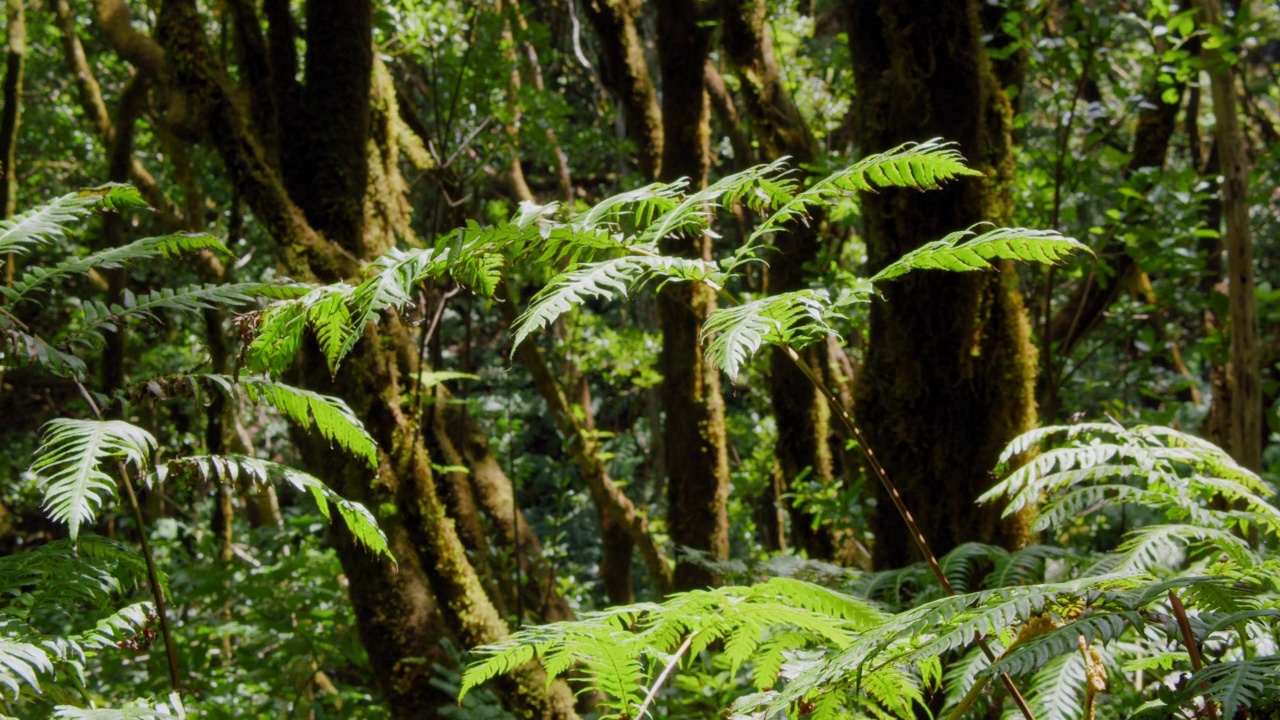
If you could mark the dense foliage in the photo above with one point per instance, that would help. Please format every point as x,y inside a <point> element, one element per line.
<point>731,358</point>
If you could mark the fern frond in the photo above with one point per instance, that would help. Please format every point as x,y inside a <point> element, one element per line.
<point>42,225</point>
<point>330,416</point>
<point>1235,684</point>
<point>921,165</point>
<point>22,349</point>
<point>21,664</point>
<point>1056,691</point>
<point>170,709</point>
<point>166,246</point>
<point>966,250</point>
<point>68,465</point>
<point>606,280</point>
<point>737,333</point>
<point>1100,627</point>
<point>357,518</point>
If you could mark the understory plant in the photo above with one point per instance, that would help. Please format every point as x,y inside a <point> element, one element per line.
<point>66,604</point>
<point>1180,614</point>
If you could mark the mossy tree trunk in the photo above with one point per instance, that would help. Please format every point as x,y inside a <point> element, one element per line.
<point>694,431</point>
<point>803,418</point>
<point>950,372</point>
<point>317,213</point>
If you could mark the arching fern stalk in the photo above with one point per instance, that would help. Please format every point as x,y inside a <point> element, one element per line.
<point>83,463</point>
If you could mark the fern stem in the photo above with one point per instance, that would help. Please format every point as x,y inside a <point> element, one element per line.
<point>922,544</point>
<point>1193,647</point>
<point>666,672</point>
<point>153,575</point>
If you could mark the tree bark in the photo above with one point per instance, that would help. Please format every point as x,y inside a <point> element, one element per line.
<point>324,242</point>
<point>694,432</point>
<point>10,116</point>
<point>950,373</point>
<point>625,72</point>
<point>803,418</point>
<point>1244,377</point>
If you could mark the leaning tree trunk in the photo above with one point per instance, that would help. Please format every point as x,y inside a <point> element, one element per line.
<point>694,431</point>
<point>950,373</point>
<point>803,419</point>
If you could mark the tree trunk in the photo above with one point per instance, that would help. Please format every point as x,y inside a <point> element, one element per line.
<point>803,418</point>
<point>950,372</point>
<point>15,58</point>
<point>694,432</point>
<point>319,222</point>
<point>625,71</point>
<point>1244,377</point>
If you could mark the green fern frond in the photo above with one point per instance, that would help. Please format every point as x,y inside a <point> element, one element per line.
<point>43,225</point>
<point>166,246</point>
<point>1099,627</point>
<point>920,165</point>
<point>191,299</point>
<point>966,250</point>
<point>23,349</point>
<point>91,571</point>
<point>606,280</point>
<point>170,709</point>
<point>737,333</point>
<point>21,664</point>
<point>68,465</point>
<point>961,676</point>
<point>327,415</point>
<point>1056,691</point>
<point>1235,685</point>
<point>364,528</point>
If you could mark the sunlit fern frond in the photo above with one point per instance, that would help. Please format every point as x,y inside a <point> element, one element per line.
<point>1102,465</point>
<point>967,250</point>
<point>48,223</point>
<point>170,708</point>
<point>21,663</point>
<point>920,165</point>
<point>166,246</point>
<point>330,416</point>
<point>227,468</point>
<point>606,280</point>
<point>733,335</point>
<point>69,465</point>
<point>745,619</point>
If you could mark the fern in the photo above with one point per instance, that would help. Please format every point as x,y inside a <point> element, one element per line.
<point>170,709</point>
<point>614,643</point>
<point>606,280</point>
<point>21,664</point>
<point>43,225</point>
<point>966,250</point>
<point>167,246</point>
<point>327,415</point>
<point>68,466</point>
<point>1235,684</point>
<point>228,468</point>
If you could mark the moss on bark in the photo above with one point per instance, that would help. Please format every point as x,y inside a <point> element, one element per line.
<point>950,374</point>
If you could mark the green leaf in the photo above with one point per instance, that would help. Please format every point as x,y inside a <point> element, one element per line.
<point>68,466</point>
<point>965,250</point>
<point>357,518</point>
